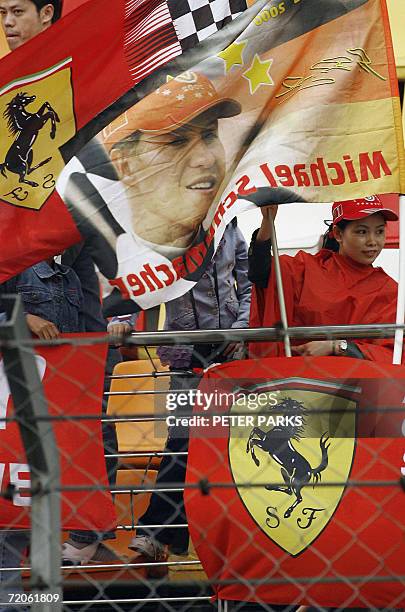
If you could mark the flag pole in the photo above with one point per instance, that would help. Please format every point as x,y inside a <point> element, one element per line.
<point>399,333</point>
<point>280,289</point>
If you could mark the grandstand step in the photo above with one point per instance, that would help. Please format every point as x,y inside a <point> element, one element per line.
<point>181,572</point>
<point>197,596</point>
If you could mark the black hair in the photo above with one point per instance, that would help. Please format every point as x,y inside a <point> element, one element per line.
<point>329,241</point>
<point>57,7</point>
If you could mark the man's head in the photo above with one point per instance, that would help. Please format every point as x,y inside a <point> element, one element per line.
<point>24,19</point>
<point>167,151</point>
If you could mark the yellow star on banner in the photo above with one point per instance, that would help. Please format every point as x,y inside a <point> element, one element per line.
<point>258,74</point>
<point>232,55</point>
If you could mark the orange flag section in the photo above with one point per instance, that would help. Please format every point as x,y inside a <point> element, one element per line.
<point>341,60</point>
<point>396,103</point>
<point>306,152</point>
<point>328,96</point>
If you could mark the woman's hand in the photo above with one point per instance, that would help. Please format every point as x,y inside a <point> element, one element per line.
<point>268,212</point>
<point>317,348</point>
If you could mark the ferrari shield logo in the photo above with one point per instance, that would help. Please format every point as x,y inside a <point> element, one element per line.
<point>298,455</point>
<point>37,118</point>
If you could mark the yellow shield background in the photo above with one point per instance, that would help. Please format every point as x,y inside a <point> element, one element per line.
<point>295,533</point>
<point>56,89</point>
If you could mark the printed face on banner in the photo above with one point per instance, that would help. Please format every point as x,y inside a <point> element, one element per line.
<point>172,163</point>
<point>289,453</point>
<point>172,179</point>
<point>298,108</point>
<point>37,118</point>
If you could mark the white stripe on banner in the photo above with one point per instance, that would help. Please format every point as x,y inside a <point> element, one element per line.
<point>131,5</point>
<point>399,334</point>
<point>153,21</point>
<point>154,61</point>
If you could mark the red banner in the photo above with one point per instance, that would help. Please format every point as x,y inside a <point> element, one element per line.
<point>73,384</point>
<point>313,451</point>
<point>57,68</point>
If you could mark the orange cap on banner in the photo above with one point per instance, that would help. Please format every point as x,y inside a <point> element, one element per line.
<point>173,104</point>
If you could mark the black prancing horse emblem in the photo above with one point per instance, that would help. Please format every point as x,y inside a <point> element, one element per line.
<point>25,126</point>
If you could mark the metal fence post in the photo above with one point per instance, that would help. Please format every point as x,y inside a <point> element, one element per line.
<point>42,457</point>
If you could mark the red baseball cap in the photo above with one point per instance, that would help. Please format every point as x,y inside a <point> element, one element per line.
<point>174,103</point>
<point>351,210</point>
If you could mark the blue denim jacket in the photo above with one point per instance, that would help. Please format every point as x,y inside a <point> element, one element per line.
<point>224,303</point>
<point>79,259</point>
<point>54,294</point>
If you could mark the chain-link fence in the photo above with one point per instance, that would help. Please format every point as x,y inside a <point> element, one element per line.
<point>294,493</point>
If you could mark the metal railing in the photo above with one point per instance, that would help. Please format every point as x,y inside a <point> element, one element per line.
<point>32,416</point>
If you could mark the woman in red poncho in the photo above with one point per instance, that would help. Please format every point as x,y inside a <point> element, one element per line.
<point>337,286</point>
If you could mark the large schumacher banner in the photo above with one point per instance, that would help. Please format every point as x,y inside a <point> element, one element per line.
<point>73,379</point>
<point>279,102</point>
<point>307,456</point>
<point>58,90</point>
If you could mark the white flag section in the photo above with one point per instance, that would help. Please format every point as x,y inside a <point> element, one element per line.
<point>5,389</point>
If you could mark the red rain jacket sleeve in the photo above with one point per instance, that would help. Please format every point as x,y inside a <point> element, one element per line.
<point>326,289</point>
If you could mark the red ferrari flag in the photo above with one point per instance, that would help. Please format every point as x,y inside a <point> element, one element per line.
<point>298,464</point>
<point>47,97</point>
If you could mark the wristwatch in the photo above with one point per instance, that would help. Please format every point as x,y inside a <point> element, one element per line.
<point>342,347</point>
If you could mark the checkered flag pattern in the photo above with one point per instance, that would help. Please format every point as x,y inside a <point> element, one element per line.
<point>195,20</point>
<point>157,31</point>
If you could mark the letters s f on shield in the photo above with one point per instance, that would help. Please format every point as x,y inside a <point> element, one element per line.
<point>293,453</point>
